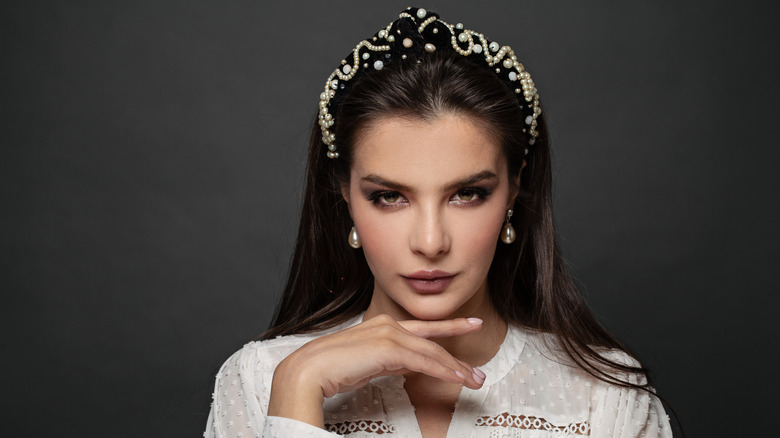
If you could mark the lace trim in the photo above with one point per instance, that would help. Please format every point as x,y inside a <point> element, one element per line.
<point>532,423</point>
<point>372,426</point>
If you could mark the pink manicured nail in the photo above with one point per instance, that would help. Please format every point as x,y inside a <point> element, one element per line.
<point>474,321</point>
<point>479,372</point>
<point>478,379</point>
<point>459,374</point>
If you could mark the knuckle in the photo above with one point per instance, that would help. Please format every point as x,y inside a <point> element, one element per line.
<point>384,319</point>
<point>438,349</point>
<point>385,331</point>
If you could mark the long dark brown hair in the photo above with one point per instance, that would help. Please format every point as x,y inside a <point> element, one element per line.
<point>329,282</point>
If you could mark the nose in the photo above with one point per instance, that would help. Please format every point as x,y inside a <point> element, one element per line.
<point>430,236</point>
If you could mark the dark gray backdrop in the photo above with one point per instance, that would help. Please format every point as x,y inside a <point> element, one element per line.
<point>152,162</point>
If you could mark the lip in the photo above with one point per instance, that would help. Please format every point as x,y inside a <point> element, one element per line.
<point>429,281</point>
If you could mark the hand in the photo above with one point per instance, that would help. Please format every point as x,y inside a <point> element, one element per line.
<point>348,359</point>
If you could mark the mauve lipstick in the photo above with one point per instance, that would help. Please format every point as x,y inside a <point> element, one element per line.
<point>429,281</point>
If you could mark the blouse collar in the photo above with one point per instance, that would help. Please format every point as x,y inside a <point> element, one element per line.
<point>507,356</point>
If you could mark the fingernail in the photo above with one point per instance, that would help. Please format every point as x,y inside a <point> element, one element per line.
<point>478,379</point>
<point>474,321</point>
<point>459,374</point>
<point>479,372</point>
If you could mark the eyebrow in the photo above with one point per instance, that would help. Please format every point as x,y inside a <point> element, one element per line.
<point>478,177</point>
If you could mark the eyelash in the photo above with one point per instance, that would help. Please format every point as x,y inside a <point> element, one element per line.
<point>481,194</point>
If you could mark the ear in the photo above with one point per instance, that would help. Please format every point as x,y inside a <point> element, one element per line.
<point>344,187</point>
<point>516,186</point>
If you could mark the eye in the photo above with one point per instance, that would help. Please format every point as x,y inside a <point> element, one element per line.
<point>390,197</point>
<point>386,198</point>
<point>470,195</point>
<point>466,195</point>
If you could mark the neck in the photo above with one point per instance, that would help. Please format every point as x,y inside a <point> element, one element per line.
<point>477,348</point>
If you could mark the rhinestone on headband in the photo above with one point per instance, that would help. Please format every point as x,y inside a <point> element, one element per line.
<point>414,33</point>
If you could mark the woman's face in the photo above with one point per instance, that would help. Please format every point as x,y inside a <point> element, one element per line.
<point>428,199</point>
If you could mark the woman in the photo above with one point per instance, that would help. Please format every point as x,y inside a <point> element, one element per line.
<point>403,314</point>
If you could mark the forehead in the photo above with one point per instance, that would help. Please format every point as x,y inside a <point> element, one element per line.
<point>450,146</point>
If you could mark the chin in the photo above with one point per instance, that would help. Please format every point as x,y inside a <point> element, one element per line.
<point>426,310</point>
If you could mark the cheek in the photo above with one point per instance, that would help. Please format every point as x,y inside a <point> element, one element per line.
<point>478,238</point>
<point>381,236</point>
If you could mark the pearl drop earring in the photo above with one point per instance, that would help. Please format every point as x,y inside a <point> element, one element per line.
<point>508,232</point>
<point>354,239</point>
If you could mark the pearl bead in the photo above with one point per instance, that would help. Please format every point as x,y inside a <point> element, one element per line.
<point>346,69</point>
<point>435,30</point>
<point>459,26</point>
<point>528,120</point>
<point>407,42</point>
<point>403,56</point>
<point>477,48</point>
<point>381,33</point>
<point>525,151</point>
<point>532,141</point>
<point>508,233</point>
<point>507,63</point>
<point>390,38</point>
<point>323,96</point>
<point>366,55</point>
<point>354,239</point>
<point>421,13</point>
<point>365,65</point>
<point>493,46</point>
<point>378,65</point>
<point>512,76</point>
<point>430,48</point>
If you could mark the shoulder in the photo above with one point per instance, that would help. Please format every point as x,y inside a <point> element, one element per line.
<point>259,359</point>
<point>613,409</point>
<point>548,349</point>
<point>267,353</point>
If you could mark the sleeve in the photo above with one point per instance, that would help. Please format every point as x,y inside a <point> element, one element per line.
<point>240,401</point>
<point>629,412</point>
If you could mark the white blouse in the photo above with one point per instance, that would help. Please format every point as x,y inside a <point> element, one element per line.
<point>528,392</point>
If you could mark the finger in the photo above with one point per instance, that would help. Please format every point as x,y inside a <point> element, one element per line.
<point>442,329</point>
<point>411,360</point>
<point>394,336</point>
<point>465,373</point>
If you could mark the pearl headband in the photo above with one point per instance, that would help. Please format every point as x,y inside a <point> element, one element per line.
<point>414,33</point>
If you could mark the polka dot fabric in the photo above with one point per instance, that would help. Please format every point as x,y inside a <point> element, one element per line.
<point>530,391</point>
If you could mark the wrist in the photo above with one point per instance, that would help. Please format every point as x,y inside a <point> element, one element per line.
<point>296,393</point>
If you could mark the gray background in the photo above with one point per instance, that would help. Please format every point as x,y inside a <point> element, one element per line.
<point>152,162</point>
